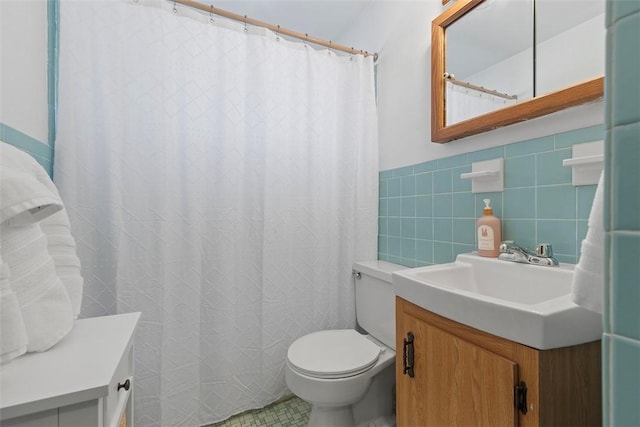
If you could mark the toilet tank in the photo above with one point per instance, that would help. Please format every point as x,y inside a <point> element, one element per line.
<point>375,299</point>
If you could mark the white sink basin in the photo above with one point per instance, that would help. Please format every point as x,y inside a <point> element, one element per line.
<point>524,303</point>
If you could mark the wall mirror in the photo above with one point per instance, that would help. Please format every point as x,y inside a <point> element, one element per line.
<point>499,62</point>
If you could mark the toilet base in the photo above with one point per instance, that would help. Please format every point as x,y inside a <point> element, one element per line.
<point>335,416</point>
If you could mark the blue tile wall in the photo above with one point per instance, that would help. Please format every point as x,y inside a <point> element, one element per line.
<point>428,214</point>
<point>43,153</point>
<point>621,341</point>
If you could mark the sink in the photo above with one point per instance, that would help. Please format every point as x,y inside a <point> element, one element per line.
<point>524,303</point>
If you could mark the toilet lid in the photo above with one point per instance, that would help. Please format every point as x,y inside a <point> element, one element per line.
<point>333,354</point>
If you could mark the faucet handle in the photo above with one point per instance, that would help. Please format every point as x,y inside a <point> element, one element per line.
<point>507,246</point>
<point>544,250</point>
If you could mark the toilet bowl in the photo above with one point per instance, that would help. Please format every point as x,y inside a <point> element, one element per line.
<point>336,370</point>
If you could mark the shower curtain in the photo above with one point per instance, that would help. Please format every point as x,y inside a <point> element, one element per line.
<point>464,103</point>
<point>220,181</point>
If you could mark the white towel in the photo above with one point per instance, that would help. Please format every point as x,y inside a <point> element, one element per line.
<point>27,194</point>
<point>13,335</point>
<point>588,278</point>
<point>43,300</point>
<point>62,248</point>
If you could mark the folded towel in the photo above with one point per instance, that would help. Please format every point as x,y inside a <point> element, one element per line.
<point>27,193</point>
<point>62,248</point>
<point>28,196</point>
<point>13,342</point>
<point>588,277</point>
<point>43,300</point>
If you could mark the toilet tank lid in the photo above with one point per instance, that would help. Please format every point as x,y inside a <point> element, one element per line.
<point>378,269</point>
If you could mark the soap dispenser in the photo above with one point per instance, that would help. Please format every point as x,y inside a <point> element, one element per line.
<point>489,235</point>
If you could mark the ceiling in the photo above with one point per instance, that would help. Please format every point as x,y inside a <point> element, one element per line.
<point>325,19</point>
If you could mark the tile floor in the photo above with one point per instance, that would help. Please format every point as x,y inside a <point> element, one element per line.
<point>292,412</point>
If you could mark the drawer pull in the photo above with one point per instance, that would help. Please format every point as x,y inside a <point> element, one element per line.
<point>407,355</point>
<point>124,385</point>
<point>120,410</point>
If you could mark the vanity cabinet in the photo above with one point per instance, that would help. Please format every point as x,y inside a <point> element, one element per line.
<point>449,374</point>
<point>85,380</point>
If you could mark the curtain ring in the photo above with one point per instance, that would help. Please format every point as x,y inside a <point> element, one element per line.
<point>175,10</point>
<point>329,51</point>
<point>246,30</point>
<point>306,39</point>
<point>278,34</point>
<point>211,19</point>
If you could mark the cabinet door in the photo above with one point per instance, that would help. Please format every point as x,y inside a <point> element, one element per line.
<point>46,418</point>
<point>455,383</point>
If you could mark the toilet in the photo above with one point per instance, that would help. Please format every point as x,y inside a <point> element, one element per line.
<point>347,375</point>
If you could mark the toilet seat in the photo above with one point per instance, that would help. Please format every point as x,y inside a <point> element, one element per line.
<point>333,354</point>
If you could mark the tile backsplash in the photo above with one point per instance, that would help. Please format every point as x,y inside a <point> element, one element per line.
<point>621,340</point>
<point>427,213</point>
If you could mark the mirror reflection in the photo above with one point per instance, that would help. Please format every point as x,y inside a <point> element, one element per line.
<point>487,69</point>
<point>540,46</point>
<point>570,43</point>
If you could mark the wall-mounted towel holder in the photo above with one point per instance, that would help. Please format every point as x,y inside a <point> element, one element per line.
<point>487,176</point>
<point>587,163</point>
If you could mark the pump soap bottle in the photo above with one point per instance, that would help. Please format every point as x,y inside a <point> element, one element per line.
<point>489,235</point>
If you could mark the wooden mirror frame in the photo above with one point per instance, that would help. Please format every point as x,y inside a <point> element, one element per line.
<point>580,93</point>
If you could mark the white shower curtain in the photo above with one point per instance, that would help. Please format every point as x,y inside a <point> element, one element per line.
<point>464,103</point>
<point>221,182</point>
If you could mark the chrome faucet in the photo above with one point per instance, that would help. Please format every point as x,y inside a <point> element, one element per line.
<point>510,251</point>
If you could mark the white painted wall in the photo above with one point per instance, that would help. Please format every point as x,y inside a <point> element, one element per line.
<point>400,31</point>
<point>23,67</point>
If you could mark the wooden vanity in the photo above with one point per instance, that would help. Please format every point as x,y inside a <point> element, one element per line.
<point>449,374</point>
<point>85,380</point>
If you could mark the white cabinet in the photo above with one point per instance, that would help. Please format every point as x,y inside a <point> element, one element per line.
<point>81,381</point>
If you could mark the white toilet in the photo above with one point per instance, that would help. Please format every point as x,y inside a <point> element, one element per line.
<point>347,376</point>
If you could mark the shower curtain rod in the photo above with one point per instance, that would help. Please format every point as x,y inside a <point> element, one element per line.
<point>275,28</point>
<point>451,78</point>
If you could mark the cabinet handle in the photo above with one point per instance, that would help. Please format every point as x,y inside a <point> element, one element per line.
<point>119,410</point>
<point>407,355</point>
<point>124,385</point>
<point>521,397</point>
